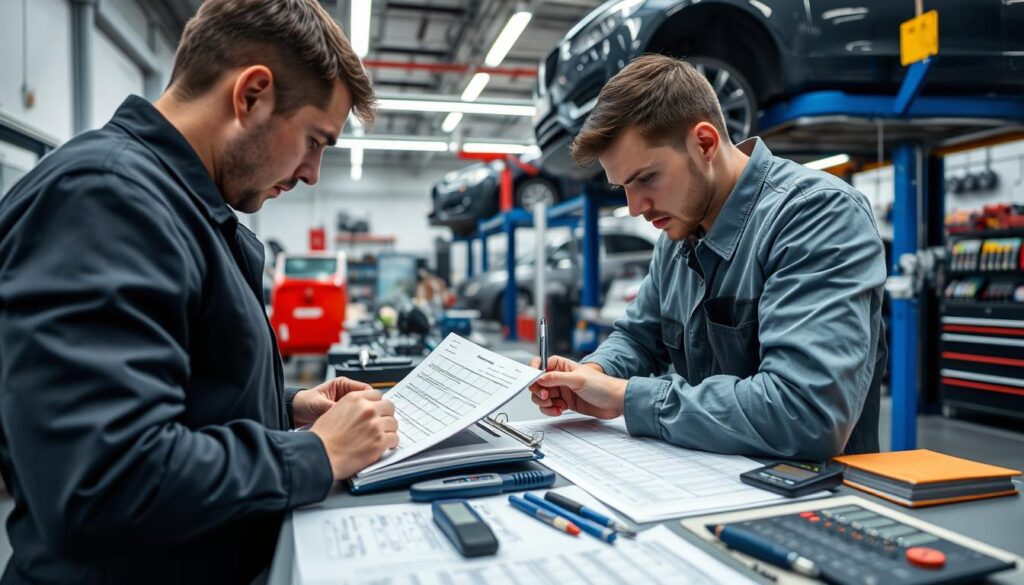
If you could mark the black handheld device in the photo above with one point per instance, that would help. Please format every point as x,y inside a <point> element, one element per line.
<point>467,531</point>
<point>793,479</point>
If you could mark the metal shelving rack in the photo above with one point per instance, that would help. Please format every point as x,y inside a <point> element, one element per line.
<point>909,126</point>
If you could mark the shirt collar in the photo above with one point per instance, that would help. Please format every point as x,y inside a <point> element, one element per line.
<point>728,227</point>
<point>143,121</point>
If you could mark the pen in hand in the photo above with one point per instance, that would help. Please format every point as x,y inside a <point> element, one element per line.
<point>543,336</point>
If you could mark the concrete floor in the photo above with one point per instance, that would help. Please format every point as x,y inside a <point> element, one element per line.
<point>997,445</point>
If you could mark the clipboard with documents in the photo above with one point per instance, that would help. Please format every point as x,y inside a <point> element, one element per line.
<point>488,442</point>
<point>442,409</point>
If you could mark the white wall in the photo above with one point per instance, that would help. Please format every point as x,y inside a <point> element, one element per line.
<point>115,77</point>
<point>49,63</point>
<point>49,70</point>
<point>395,203</point>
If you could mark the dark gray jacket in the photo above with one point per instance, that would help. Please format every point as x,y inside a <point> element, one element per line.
<point>143,418</point>
<point>765,338</point>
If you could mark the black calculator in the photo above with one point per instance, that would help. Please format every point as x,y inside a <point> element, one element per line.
<point>853,545</point>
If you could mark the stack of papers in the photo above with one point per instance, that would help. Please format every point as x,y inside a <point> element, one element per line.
<point>644,478</point>
<point>458,384</point>
<point>399,544</point>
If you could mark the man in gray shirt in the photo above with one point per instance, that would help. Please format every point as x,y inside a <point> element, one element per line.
<point>758,330</point>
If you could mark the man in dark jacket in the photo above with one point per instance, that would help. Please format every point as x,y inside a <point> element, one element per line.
<point>144,425</point>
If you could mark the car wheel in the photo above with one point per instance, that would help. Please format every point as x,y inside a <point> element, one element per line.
<point>735,95</point>
<point>523,300</point>
<point>535,190</point>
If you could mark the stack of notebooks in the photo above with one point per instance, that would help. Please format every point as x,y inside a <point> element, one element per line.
<point>921,477</point>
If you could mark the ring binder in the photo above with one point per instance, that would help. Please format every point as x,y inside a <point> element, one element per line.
<point>500,423</point>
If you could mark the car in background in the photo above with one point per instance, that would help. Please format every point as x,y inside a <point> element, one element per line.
<point>622,253</point>
<point>309,299</point>
<point>464,197</point>
<point>758,53</point>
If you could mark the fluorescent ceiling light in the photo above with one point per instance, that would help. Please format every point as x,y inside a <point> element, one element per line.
<point>359,26</point>
<point>508,37</point>
<point>492,109</point>
<point>829,161</point>
<point>357,173</point>
<point>475,87</point>
<point>393,144</point>
<point>451,121</point>
<point>498,147</point>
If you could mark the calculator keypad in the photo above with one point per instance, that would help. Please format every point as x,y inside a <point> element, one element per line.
<point>853,545</point>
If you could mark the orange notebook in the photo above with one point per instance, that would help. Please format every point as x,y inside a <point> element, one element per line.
<point>922,477</point>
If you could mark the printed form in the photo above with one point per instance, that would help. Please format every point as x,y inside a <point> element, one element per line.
<point>456,385</point>
<point>399,544</point>
<point>644,478</point>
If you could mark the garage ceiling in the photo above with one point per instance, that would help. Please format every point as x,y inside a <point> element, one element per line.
<point>440,32</point>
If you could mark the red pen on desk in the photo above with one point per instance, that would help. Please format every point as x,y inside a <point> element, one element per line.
<point>556,522</point>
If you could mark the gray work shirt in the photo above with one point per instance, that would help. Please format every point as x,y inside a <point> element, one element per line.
<point>765,337</point>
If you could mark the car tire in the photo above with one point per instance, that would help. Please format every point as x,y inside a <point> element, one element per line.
<point>523,299</point>
<point>735,95</point>
<point>534,190</point>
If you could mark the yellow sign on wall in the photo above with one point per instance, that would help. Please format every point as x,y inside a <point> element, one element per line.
<point>919,38</point>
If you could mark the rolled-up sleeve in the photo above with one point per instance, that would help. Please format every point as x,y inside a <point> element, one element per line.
<point>94,339</point>
<point>825,266</point>
<point>634,348</point>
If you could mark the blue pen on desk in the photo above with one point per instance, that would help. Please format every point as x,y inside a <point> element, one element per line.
<point>556,522</point>
<point>759,547</point>
<point>591,528</point>
<point>578,508</point>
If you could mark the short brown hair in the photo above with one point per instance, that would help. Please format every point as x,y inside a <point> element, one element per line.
<point>660,96</point>
<point>300,42</point>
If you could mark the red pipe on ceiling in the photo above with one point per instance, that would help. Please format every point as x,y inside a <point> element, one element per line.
<point>449,68</point>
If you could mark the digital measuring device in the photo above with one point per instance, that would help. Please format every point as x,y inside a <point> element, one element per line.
<point>481,484</point>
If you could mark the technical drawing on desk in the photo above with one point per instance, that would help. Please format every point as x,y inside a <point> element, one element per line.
<point>458,384</point>
<point>399,544</point>
<point>644,478</point>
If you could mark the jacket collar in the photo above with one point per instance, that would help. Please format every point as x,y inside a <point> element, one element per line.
<point>144,122</point>
<point>728,227</point>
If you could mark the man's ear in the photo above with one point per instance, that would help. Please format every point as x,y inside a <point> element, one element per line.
<point>253,95</point>
<point>707,140</point>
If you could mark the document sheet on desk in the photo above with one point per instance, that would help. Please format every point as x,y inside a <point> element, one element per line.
<point>456,385</point>
<point>399,544</point>
<point>644,478</point>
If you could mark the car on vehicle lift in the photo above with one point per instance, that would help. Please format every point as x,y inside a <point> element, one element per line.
<point>465,197</point>
<point>757,53</point>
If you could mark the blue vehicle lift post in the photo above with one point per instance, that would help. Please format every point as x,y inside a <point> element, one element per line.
<point>911,206</point>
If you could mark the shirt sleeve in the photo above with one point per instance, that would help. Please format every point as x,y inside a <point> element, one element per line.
<point>634,347</point>
<point>95,301</point>
<point>819,332</point>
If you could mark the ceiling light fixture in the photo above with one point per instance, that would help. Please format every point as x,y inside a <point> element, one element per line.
<point>499,148</point>
<point>394,144</point>
<point>357,163</point>
<point>451,121</point>
<point>509,35</point>
<point>359,26</point>
<point>485,108</point>
<point>829,161</point>
<point>475,87</point>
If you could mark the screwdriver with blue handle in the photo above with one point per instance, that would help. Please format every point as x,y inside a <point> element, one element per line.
<point>481,484</point>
